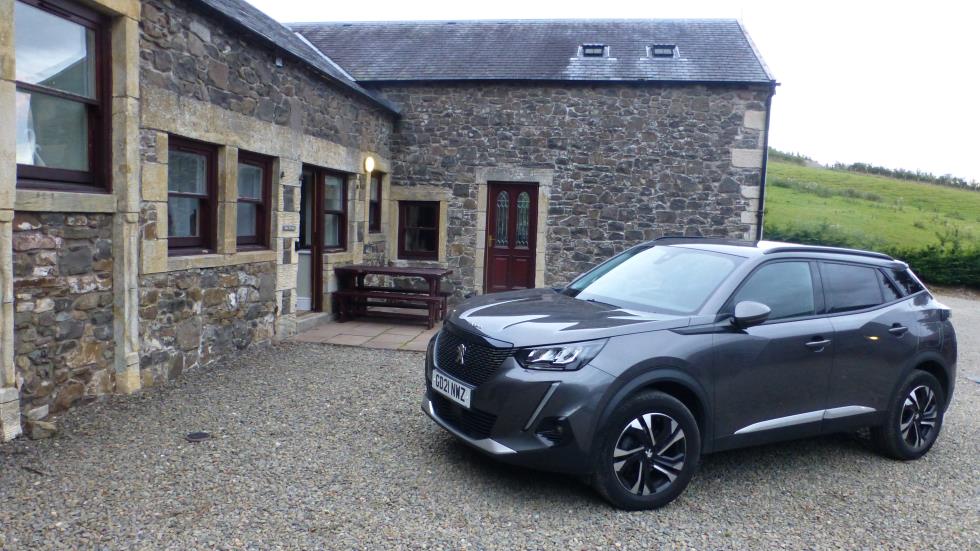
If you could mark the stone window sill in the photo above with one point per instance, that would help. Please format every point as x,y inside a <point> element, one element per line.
<point>180,263</point>
<point>64,201</point>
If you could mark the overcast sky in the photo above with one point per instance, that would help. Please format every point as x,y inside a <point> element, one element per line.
<point>889,83</point>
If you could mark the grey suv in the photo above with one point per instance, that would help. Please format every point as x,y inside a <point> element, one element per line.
<point>682,347</point>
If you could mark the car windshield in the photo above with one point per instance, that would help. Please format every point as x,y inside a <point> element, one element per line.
<point>673,280</point>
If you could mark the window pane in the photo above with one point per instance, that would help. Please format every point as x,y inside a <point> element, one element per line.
<point>187,172</point>
<point>523,213</point>
<point>891,292</point>
<point>785,287</point>
<point>422,216</point>
<point>375,188</point>
<point>851,287</point>
<point>51,132</point>
<point>249,181</point>
<point>331,230</point>
<point>333,197</point>
<point>247,219</point>
<point>53,52</point>
<point>184,217</point>
<point>906,281</point>
<point>503,207</point>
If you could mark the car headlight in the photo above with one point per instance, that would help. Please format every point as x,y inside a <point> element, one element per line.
<point>560,357</point>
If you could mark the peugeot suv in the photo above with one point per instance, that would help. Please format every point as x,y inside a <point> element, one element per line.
<point>682,347</point>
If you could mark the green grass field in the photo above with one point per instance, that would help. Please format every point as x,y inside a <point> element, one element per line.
<point>874,211</point>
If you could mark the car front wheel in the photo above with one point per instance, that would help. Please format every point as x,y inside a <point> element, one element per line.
<point>914,418</point>
<point>651,450</point>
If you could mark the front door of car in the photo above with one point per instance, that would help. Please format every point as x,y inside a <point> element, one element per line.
<point>875,336</point>
<point>771,380</point>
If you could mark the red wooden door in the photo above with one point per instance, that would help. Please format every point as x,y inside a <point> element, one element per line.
<point>512,220</point>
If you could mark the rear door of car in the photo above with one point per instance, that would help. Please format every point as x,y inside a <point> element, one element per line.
<point>875,337</point>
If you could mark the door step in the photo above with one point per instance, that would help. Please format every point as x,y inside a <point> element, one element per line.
<point>311,320</point>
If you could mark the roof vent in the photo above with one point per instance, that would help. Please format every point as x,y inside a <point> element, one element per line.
<point>663,50</point>
<point>593,50</point>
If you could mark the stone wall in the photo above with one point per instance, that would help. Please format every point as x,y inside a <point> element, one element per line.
<point>204,78</point>
<point>193,54</point>
<point>629,162</point>
<point>194,317</point>
<point>63,334</point>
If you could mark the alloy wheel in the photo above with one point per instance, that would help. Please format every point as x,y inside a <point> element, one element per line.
<point>649,454</point>
<point>919,415</point>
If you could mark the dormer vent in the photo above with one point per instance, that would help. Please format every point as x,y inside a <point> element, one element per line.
<point>663,50</point>
<point>593,50</point>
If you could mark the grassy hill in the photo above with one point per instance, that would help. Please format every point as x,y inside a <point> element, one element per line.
<point>936,229</point>
<point>868,210</point>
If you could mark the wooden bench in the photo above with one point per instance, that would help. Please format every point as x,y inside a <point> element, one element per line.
<point>356,297</point>
<point>354,302</point>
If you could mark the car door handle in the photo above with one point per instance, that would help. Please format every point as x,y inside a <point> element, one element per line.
<point>818,345</point>
<point>898,330</point>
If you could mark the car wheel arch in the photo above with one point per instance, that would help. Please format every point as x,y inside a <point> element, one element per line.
<point>932,363</point>
<point>669,380</point>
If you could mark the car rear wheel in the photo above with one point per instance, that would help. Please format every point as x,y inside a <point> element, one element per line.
<point>651,450</point>
<point>914,418</point>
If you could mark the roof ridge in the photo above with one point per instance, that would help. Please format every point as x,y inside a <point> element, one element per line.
<point>291,25</point>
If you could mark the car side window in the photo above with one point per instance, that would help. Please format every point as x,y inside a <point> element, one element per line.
<point>785,287</point>
<point>891,291</point>
<point>850,287</point>
<point>906,282</point>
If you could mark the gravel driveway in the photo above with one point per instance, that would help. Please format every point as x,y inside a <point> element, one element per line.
<point>325,447</point>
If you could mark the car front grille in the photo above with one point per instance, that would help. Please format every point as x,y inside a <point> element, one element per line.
<point>480,362</point>
<point>472,422</point>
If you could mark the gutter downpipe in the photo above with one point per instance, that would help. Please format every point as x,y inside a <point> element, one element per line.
<point>765,165</point>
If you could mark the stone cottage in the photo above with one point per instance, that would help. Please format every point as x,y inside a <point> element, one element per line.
<point>179,178</point>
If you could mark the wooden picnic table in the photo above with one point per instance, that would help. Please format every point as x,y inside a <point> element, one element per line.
<point>355,296</point>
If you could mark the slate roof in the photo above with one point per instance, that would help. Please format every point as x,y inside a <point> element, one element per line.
<point>708,50</point>
<point>255,21</point>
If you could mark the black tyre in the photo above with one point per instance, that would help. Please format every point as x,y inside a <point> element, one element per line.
<point>914,420</point>
<point>650,450</point>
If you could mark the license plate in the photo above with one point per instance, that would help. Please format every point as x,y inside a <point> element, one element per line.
<point>450,388</point>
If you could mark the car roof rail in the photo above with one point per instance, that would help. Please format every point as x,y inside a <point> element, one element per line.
<point>824,249</point>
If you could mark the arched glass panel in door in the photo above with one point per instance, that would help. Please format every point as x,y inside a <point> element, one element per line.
<point>503,209</point>
<point>523,218</point>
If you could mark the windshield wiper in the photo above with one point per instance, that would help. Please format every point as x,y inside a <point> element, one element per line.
<point>599,302</point>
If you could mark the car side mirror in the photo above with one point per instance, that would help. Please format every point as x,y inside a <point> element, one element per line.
<point>749,314</point>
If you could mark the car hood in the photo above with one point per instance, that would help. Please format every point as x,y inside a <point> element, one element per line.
<point>542,316</point>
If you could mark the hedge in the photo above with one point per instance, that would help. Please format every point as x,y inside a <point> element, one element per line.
<point>951,265</point>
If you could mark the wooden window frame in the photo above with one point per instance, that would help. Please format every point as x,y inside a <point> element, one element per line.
<point>205,242</point>
<point>98,178</point>
<point>374,203</point>
<point>342,213</point>
<point>263,216</point>
<point>415,255</point>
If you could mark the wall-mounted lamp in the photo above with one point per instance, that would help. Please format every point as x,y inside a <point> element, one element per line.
<point>369,164</point>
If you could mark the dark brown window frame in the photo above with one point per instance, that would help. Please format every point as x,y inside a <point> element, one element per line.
<point>416,255</point>
<point>263,216</point>
<point>342,213</point>
<point>204,243</point>
<point>374,203</point>
<point>98,178</point>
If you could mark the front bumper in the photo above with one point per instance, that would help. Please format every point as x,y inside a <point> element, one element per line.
<point>487,445</point>
<point>515,412</point>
